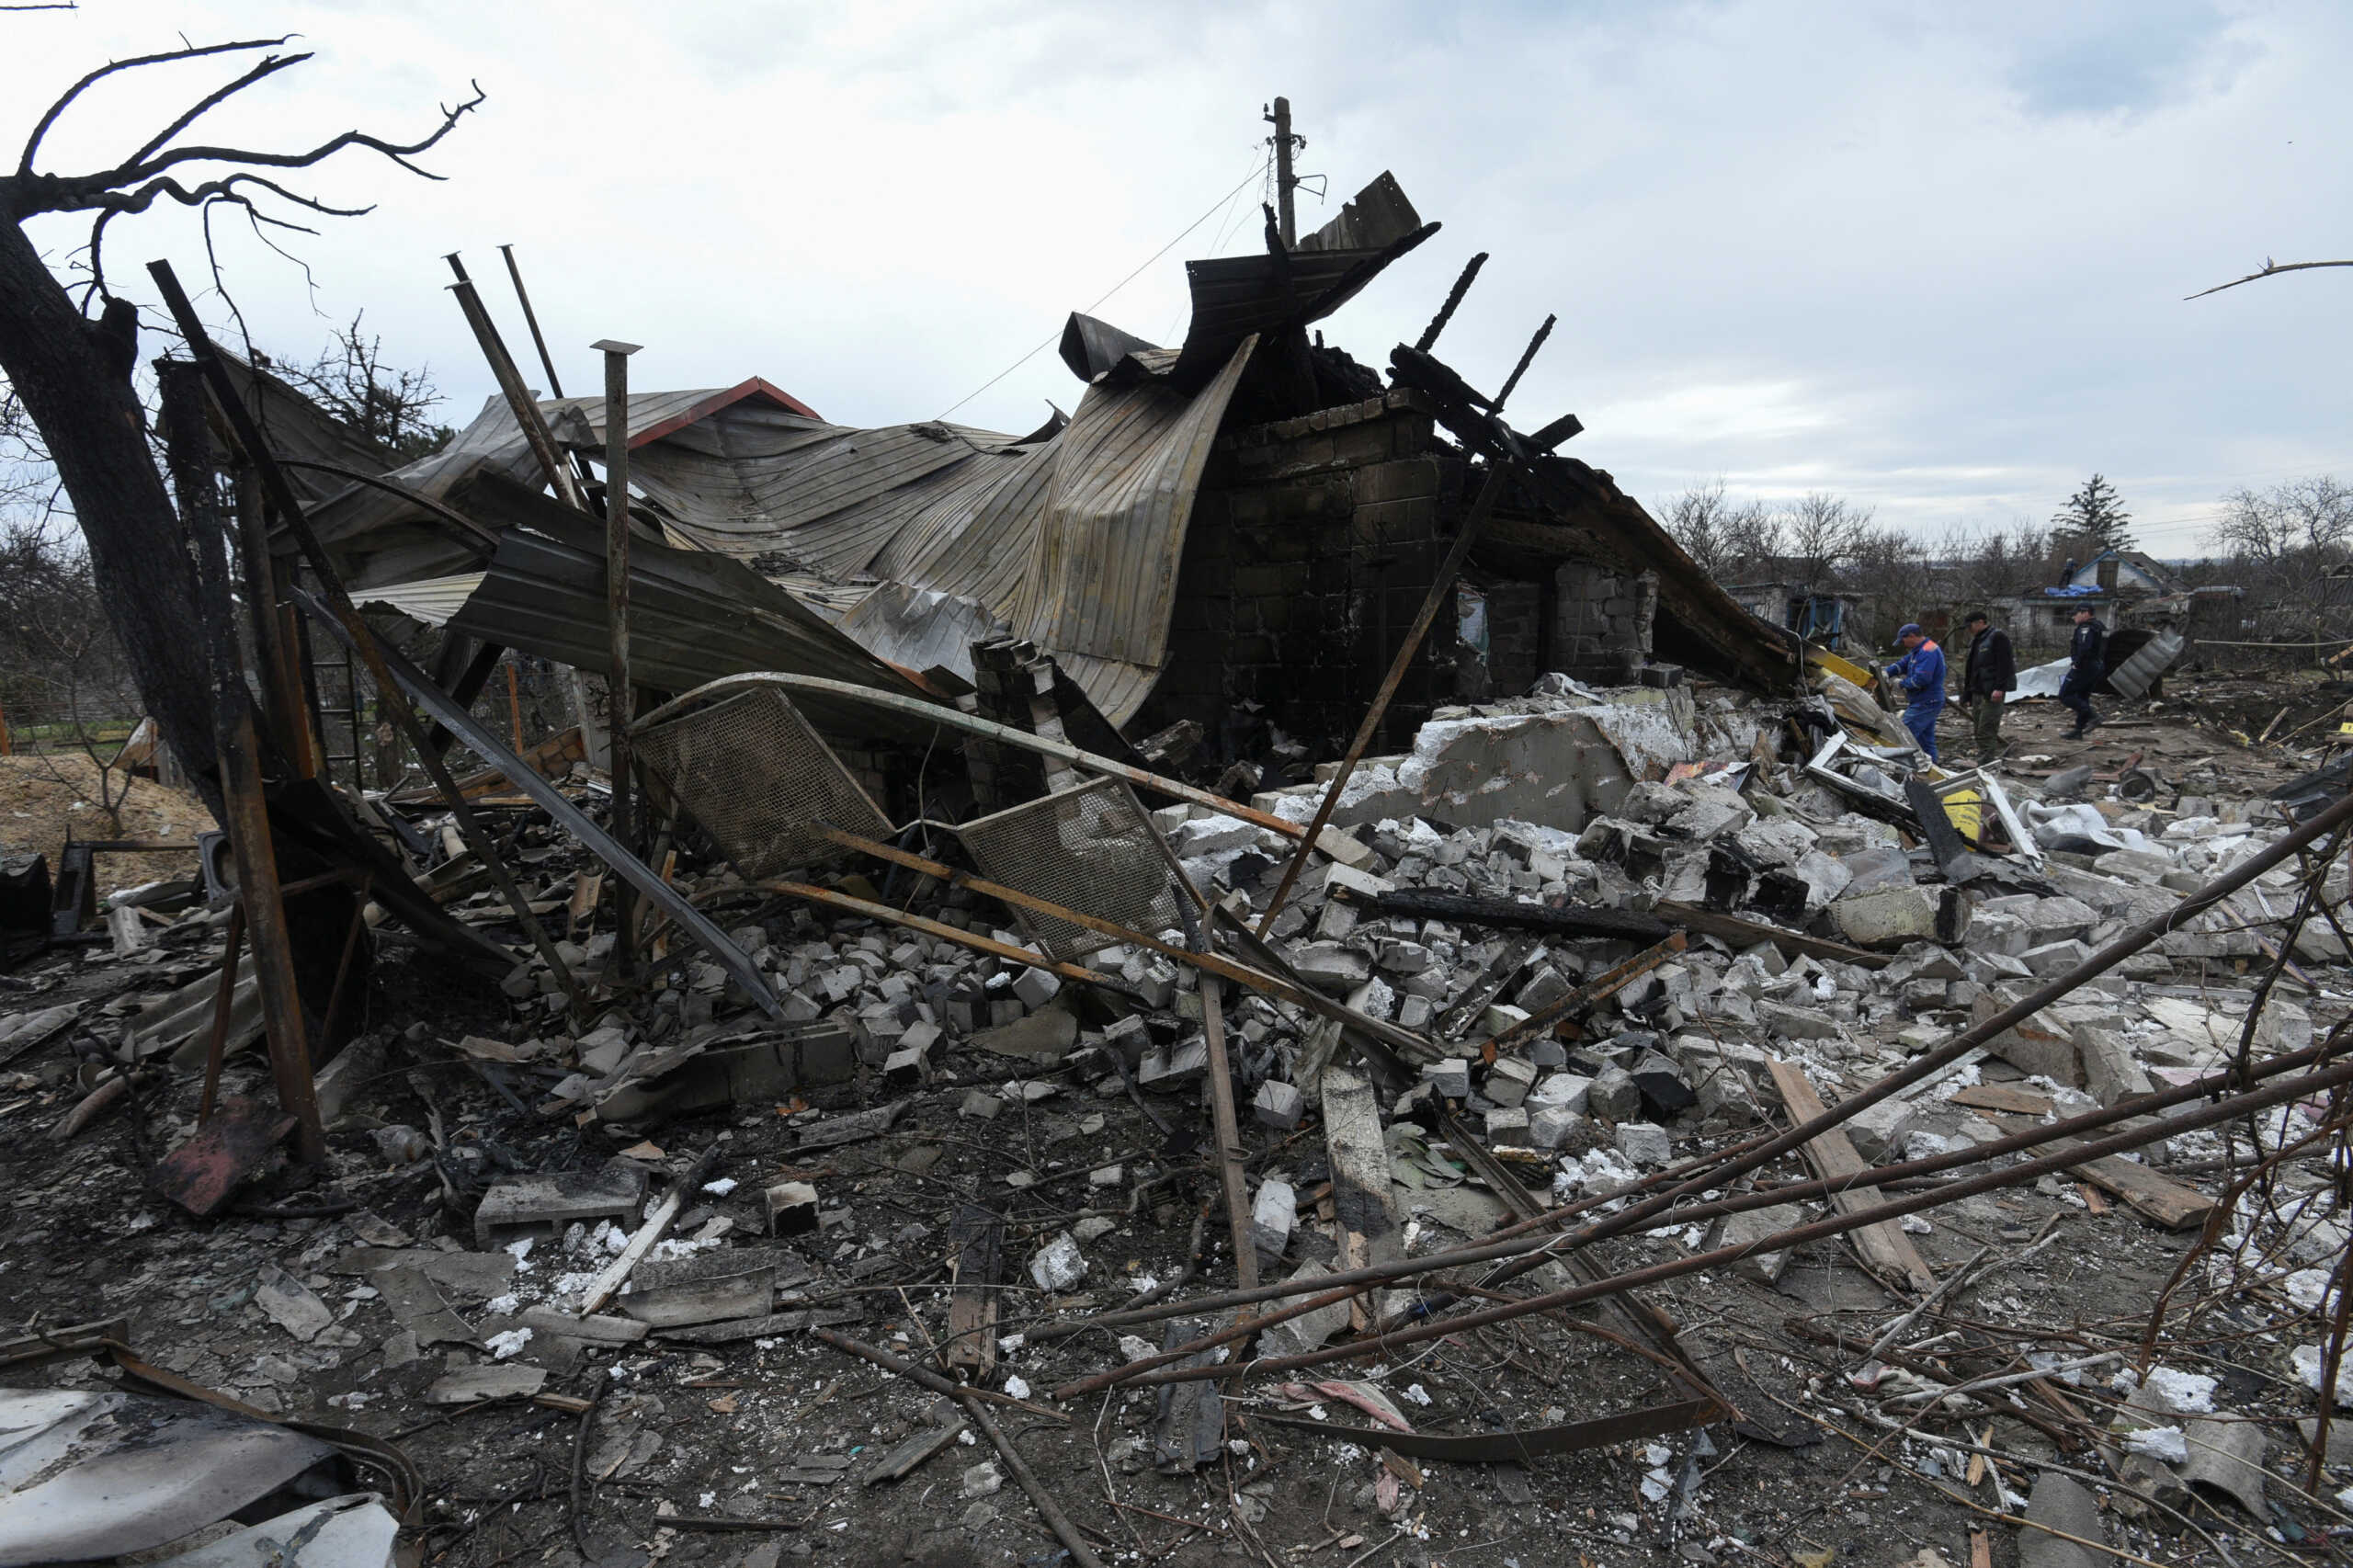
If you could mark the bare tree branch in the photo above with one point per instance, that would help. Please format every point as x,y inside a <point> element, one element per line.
<point>271,66</point>
<point>194,52</point>
<point>2270,267</point>
<point>80,193</point>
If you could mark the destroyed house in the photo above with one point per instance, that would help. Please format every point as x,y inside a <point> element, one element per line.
<point>1236,532</point>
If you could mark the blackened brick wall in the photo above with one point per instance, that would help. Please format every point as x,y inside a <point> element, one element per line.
<point>1312,547</point>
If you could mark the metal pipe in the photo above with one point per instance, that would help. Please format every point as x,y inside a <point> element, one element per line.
<point>536,434</point>
<point>972,724</point>
<point>620,695</point>
<point>531,319</point>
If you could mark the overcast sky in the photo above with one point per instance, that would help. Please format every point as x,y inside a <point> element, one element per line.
<point>1929,257</point>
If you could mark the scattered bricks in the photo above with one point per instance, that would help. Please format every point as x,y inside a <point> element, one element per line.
<point>1548,1052</point>
<point>1336,922</point>
<point>1796,1023</point>
<point>2142,866</point>
<point>1420,1103</point>
<point>2059,920</point>
<point>1879,1130</point>
<point>1209,834</point>
<point>1279,1105</point>
<point>2039,1046</point>
<point>791,1208</point>
<point>545,1205</point>
<point>2110,1070</point>
<point>1507,1125</point>
<point>1036,987</point>
<point>903,1070</point>
<point>1895,916</point>
<point>1347,881</point>
<point>1993,932</point>
<point>1344,848</point>
<point>923,1037</point>
<point>1509,1080</point>
<point>1168,819</point>
<point>1130,1036</point>
<point>1171,1067</point>
<point>1825,877</point>
<point>979,1105</point>
<point>1752,1226</point>
<point>1645,1144</point>
<point>1060,1265</point>
<point>1451,1077</point>
<point>1271,1215</point>
<point>1416,1012</point>
<point>1334,970</point>
<point>1544,988</point>
<point>1108,1177</point>
<point>2054,958</point>
<point>1549,1124</point>
<point>1614,1095</point>
<point>1497,1019</point>
<point>1664,1091</point>
<point>1567,1089</point>
<point>1405,959</point>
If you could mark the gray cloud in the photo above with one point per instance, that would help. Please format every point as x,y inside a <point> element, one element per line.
<point>1932,261</point>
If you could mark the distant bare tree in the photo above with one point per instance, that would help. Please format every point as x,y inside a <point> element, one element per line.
<point>1735,541</point>
<point>2304,524</point>
<point>1819,533</point>
<point>378,402</point>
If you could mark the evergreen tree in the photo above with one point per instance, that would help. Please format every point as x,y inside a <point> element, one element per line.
<point>2095,514</point>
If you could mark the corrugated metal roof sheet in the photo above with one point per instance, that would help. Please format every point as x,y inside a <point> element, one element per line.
<point>1104,579</point>
<point>432,600</point>
<point>694,617</point>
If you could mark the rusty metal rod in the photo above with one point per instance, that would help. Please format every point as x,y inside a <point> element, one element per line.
<point>1832,1225</point>
<point>1441,589</point>
<point>1513,1242</point>
<point>1230,1151</point>
<point>988,945</point>
<point>534,425</point>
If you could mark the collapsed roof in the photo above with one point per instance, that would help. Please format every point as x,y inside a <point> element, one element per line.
<point>894,546</point>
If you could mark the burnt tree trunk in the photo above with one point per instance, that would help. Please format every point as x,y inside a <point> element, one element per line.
<point>75,378</point>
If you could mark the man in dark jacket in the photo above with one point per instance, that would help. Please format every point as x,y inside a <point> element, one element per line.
<point>1986,680</point>
<point>2086,668</point>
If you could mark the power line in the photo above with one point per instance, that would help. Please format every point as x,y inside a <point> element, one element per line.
<point>1055,336</point>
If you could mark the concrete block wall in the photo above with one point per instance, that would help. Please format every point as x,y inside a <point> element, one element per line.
<point>1514,636</point>
<point>1601,622</point>
<point>1312,547</point>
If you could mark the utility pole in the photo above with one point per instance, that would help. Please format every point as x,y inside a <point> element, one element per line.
<point>1285,181</point>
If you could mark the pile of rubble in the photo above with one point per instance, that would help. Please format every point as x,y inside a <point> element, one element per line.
<point>971,1159</point>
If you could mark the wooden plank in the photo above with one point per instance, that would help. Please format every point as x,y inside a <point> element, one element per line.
<point>2003,1098</point>
<point>2175,1205</point>
<point>1884,1246</point>
<point>976,1239</point>
<point>1363,1218</point>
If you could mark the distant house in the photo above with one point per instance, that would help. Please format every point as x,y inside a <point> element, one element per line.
<point>2124,574</point>
<point>1818,618</point>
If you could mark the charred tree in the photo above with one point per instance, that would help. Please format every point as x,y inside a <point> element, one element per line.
<point>73,369</point>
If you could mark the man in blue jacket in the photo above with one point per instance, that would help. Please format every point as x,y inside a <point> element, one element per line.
<point>1921,675</point>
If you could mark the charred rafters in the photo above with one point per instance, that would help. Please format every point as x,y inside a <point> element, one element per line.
<point>148,174</point>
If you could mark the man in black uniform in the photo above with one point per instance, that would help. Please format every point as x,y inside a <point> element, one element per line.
<point>1991,672</point>
<point>2086,668</point>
